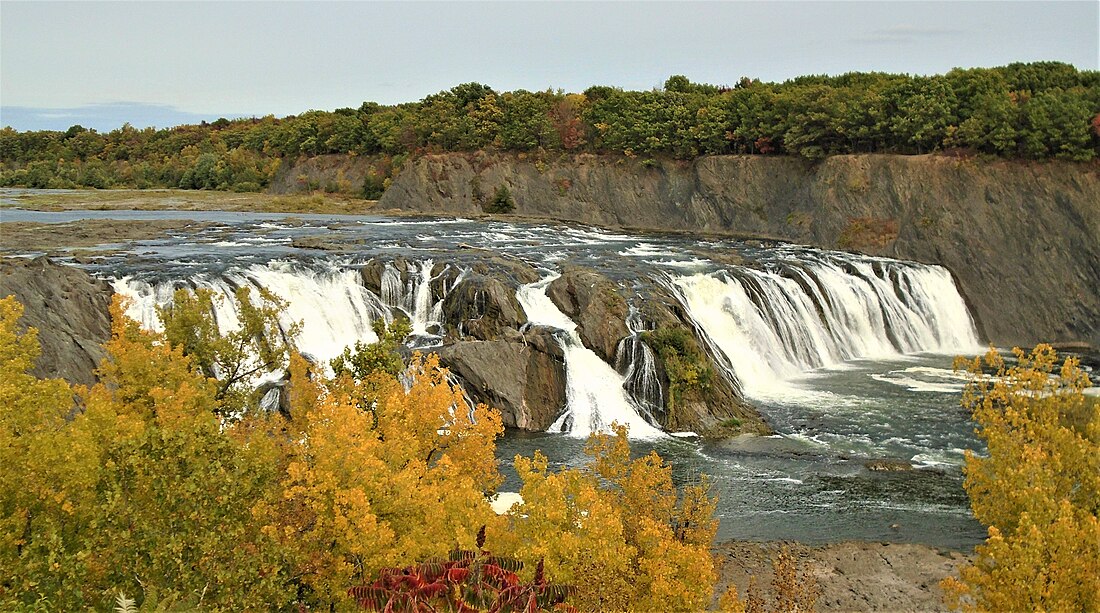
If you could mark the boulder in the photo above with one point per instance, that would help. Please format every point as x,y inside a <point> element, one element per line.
<point>484,308</point>
<point>525,384</point>
<point>444,276</point>
<point>69,308</point>
<point>594,303</point>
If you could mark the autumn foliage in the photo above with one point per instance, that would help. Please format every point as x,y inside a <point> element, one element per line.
<point>464,582</point>
<point>162,483</point>
<point>1038,489</point>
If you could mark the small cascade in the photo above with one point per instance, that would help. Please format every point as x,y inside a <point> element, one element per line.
<point>635,361</point>
<point>414,296</point>
<point>333,307</point>
<point>824,308</point>
<point>595,396</point>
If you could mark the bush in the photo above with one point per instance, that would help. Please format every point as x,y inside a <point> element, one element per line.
<point>686,364</point>
<point>373,186</point>
<point>502,202</point>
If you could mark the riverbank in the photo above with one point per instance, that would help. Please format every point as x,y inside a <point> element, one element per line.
<point>852,576</point>
<point>183,200</point>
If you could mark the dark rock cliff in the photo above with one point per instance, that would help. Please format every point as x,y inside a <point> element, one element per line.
<point>1022,239</point>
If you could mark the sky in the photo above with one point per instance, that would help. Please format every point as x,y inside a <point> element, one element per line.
<point>165,63</point>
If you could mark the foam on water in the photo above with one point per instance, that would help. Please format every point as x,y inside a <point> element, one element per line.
<point>595,397</point>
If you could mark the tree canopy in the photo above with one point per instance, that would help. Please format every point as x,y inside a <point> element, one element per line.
<point>142,486</point>
<point>1038,489</point>
<point>1036,110</point>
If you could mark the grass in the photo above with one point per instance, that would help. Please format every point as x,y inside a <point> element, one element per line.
<point>191,200</point>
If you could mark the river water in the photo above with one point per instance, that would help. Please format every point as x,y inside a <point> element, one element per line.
<point>848,357</point>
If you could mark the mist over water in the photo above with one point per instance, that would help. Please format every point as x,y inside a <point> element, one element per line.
<point>847,356</point>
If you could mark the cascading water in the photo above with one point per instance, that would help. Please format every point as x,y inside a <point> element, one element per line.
<point>333,307</point>
<point>414,297</point>
<point>822,309</point>
<point>634,360</point>
<point>594,392</point>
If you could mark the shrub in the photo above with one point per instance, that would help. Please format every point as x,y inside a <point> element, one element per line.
<point>502,202</point>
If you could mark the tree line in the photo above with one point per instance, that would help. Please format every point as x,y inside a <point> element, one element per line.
<point>1038,110</point>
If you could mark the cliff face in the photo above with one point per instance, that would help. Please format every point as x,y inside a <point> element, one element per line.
<point>1022,239</point>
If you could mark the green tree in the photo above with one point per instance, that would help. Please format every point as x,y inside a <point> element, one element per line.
<point>502,201</point>
<point>257,344</point>
<point>381,356</point>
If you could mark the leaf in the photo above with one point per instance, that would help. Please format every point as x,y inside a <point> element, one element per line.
<point>457,575</point>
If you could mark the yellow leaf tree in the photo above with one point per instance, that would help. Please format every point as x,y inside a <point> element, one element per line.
<point>381,475</point>
<point>617,530</point>
<point>1038,489</point>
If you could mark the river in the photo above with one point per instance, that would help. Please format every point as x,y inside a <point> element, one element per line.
<point>848,357</point>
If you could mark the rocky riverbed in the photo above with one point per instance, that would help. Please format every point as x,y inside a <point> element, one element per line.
<point>851,576</point>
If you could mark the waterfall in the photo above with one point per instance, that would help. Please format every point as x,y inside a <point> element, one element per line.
<point>634,360</point>
<point>824,308</point>
<point>413,297</point>
<point>333,307</point>
<point>594,392</point>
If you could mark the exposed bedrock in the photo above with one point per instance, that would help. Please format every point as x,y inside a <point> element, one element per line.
<point>525,380</point>
<point>485,308</point>
<point>69,308</point>
<point>1021,238</point>
<point>594,303</point>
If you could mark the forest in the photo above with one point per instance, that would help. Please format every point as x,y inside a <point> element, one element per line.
<point>1032,111</point>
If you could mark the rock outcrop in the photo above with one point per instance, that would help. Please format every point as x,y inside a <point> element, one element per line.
<point>698,396</point>
<point>69,308</point>
<point>485,308</point>
<point>524,380</point>
<point>594,303</point>
<point>1021,238</point>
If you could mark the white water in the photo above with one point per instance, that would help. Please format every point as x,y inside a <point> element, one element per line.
<point>334,308</point>
<point>822,310</point>
<point>594,392</point>
<point>414,297</point>
<point>635,361</point>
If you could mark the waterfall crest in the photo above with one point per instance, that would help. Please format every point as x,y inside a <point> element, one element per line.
<point>595,397</point>
<point>822,309</point>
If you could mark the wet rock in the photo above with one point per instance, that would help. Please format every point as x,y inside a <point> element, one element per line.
<point>484,308</point>
<point>698,396</point>
<point>68,307</point>
<point>887,465</point>
<point>524,383</point>
<point>444,276</point>
<point>372,272</point>
<point>324,243</point>
<point>517,270</point>
<point>594,303</point>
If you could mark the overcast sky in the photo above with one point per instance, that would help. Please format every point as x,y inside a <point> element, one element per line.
<point>172,62</point>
